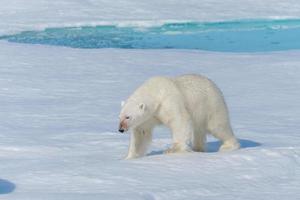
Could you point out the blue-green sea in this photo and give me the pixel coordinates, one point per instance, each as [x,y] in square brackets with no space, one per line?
[226,36]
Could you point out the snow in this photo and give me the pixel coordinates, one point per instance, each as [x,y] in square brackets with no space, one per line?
[59,117]
[59,109]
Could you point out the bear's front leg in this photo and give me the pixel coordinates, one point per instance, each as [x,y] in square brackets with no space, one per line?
[182,131]
[139,140]
[178,148]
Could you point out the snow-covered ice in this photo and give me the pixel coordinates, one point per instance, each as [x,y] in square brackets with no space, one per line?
[59,140]
[59,110]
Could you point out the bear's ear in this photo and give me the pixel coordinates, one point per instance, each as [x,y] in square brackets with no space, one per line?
[122,103]
[142,106]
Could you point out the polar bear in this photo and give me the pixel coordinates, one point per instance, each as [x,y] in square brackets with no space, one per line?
[190,105]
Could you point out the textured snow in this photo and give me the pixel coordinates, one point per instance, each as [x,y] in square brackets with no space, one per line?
[59,116]
[59,109]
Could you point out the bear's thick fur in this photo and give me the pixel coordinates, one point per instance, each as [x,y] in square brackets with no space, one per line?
[190,105]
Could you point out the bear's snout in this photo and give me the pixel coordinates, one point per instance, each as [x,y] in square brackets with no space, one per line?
[122,127]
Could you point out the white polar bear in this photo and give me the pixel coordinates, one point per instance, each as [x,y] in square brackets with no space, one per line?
[190,105]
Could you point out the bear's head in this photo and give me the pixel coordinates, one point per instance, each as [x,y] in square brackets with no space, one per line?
[132,115]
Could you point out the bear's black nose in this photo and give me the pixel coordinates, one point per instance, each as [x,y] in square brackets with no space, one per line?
[121,130]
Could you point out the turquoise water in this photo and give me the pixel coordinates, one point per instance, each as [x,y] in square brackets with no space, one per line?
[230,36]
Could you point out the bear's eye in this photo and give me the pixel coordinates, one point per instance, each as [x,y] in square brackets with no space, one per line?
[127,117]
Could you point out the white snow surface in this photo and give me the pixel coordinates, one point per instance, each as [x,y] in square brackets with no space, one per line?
[59,118]
[59,109]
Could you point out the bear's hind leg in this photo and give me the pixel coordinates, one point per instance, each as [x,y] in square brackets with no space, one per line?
[229,145]
[225,134]
[219,126]
[139,142]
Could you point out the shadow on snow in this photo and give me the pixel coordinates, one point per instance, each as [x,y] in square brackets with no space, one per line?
[215,145]
[6,186]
